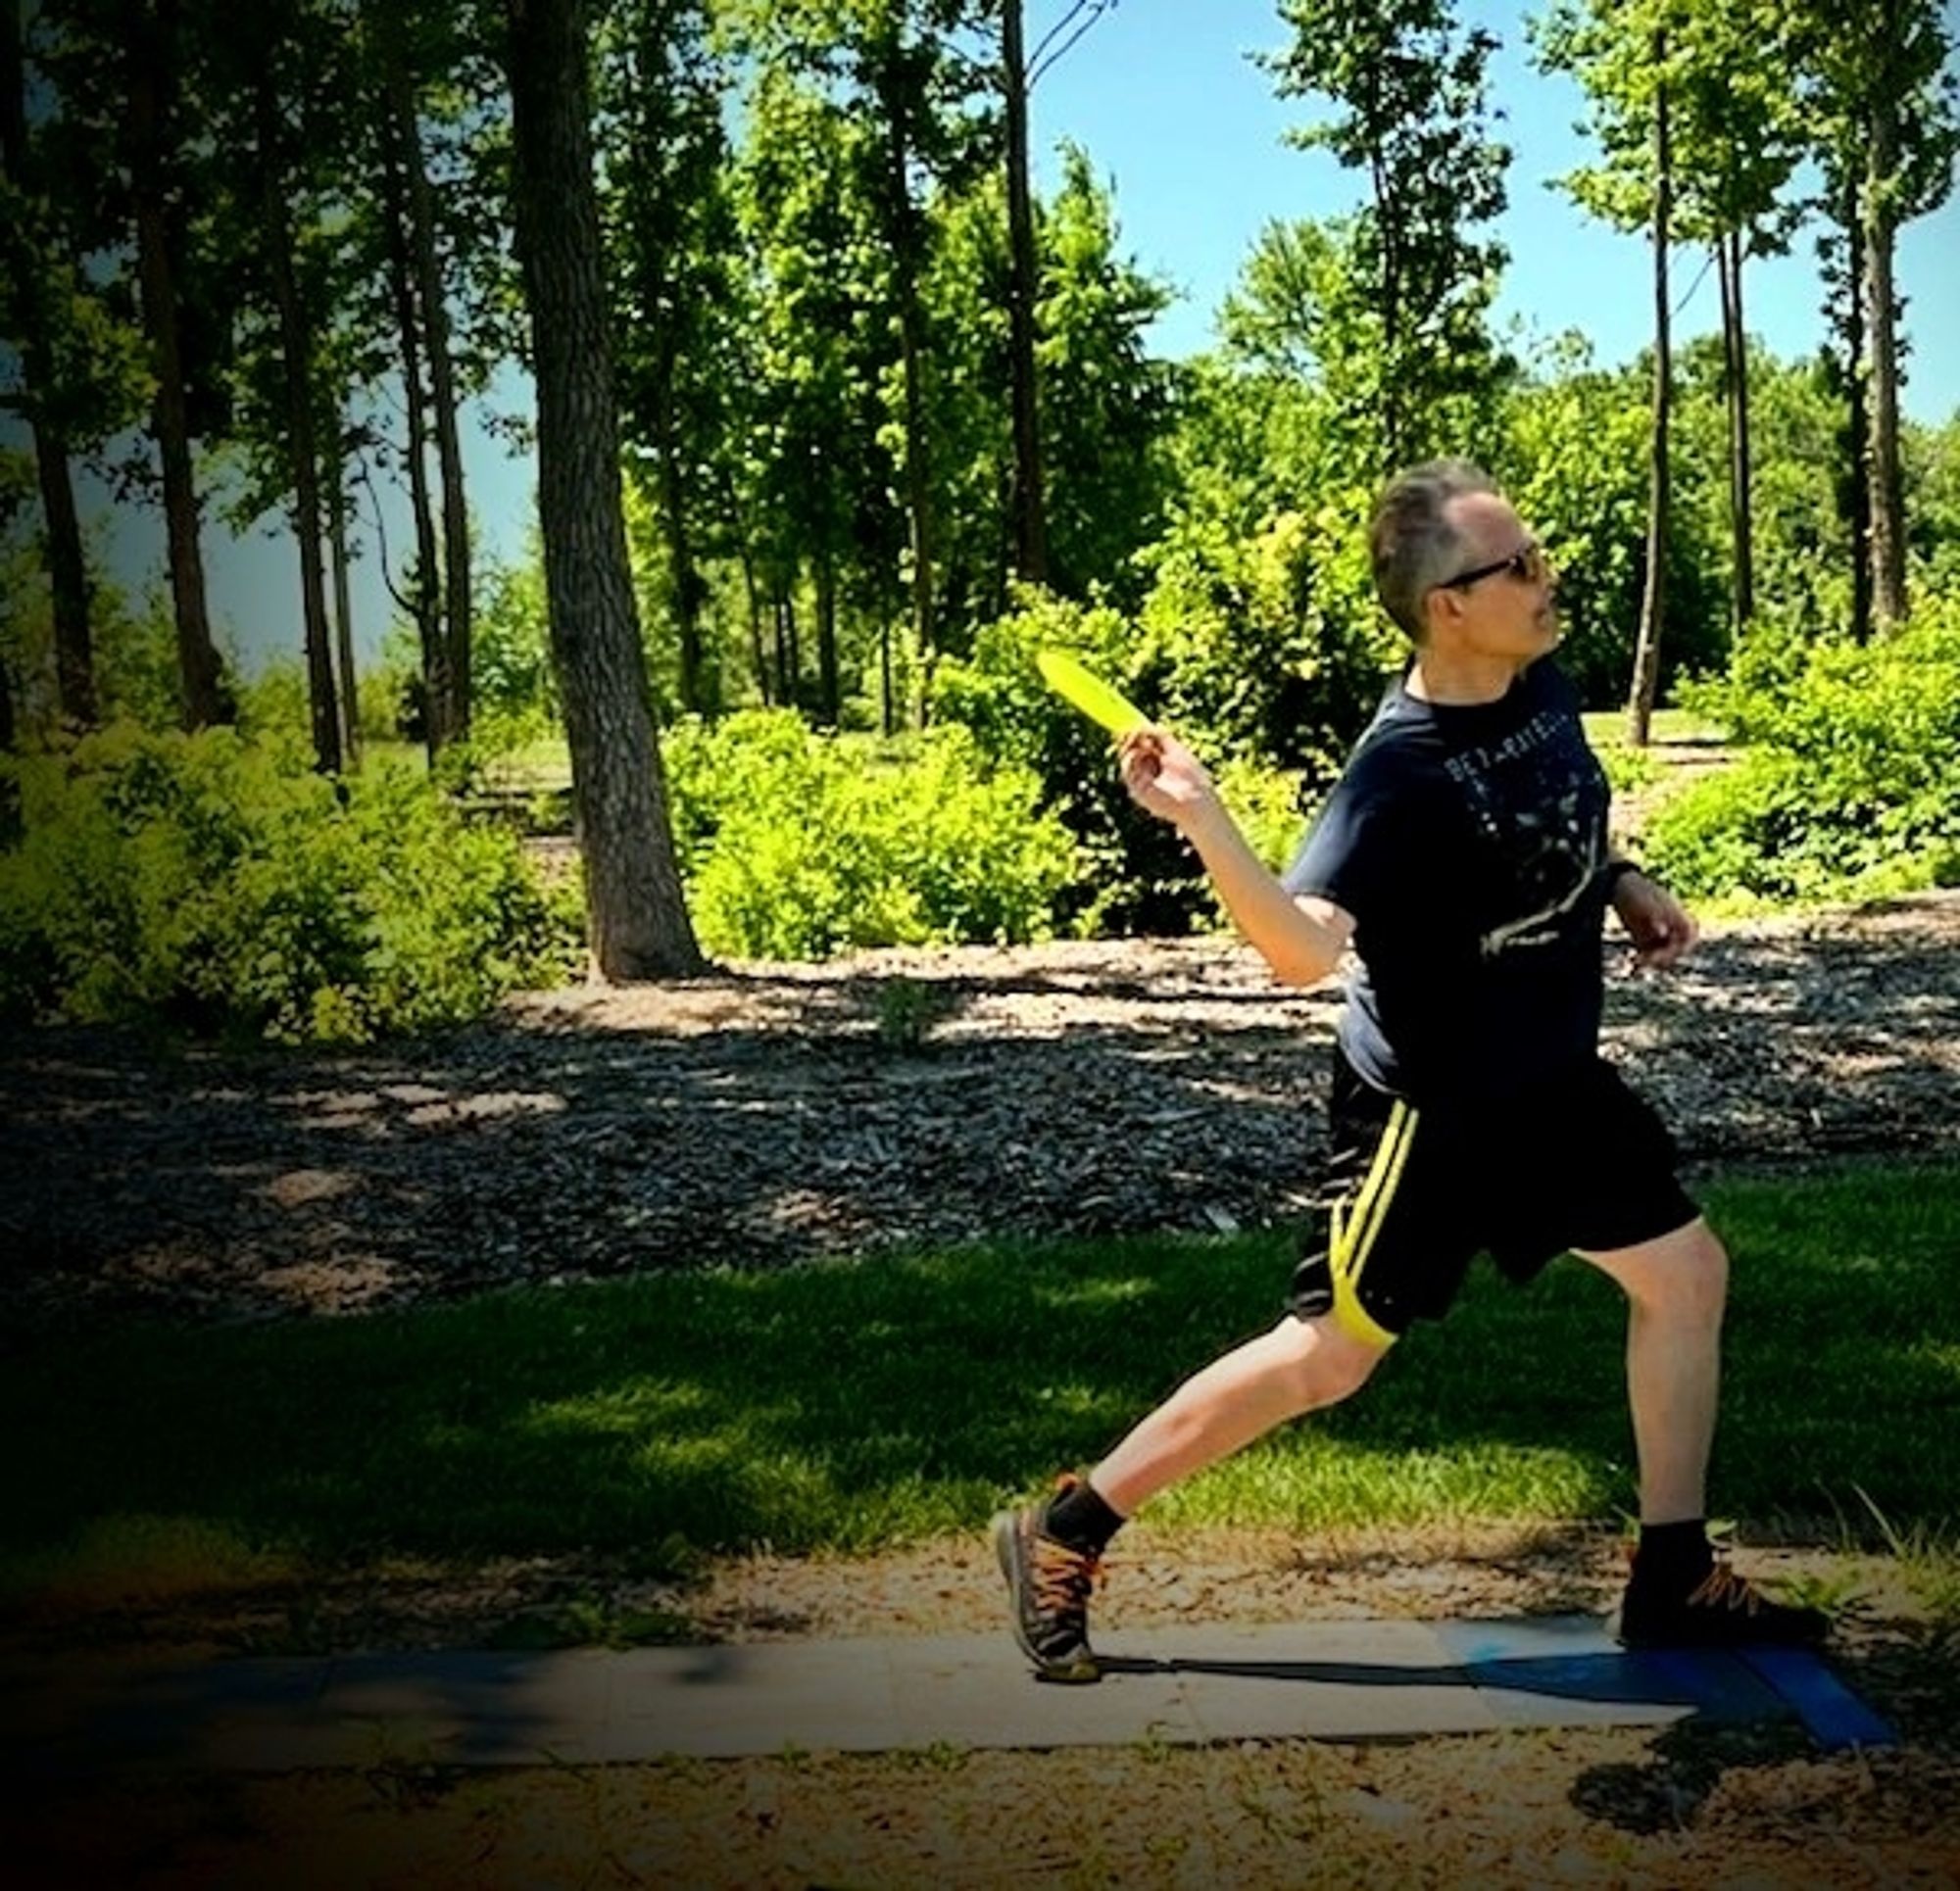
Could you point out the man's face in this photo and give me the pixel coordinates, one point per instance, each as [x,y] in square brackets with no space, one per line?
[1499,601]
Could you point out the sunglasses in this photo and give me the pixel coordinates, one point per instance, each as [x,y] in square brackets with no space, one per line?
[1526,565]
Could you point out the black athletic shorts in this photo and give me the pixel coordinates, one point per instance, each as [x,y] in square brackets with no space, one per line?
[1414,1194]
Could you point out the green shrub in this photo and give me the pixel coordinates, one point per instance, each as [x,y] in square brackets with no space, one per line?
[1851,785]
[799,846]
[1270,645]
[1243,665]
[1628,770]
[1267,804]
[215,883]
[1135,873]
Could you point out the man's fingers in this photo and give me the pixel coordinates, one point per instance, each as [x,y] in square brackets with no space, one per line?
[1140,767]
[1665,948]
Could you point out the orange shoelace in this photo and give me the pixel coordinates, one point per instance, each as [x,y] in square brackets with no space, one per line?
[1723,1589]
[1062,1578]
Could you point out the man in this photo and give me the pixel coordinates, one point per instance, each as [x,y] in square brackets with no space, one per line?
[1463,857]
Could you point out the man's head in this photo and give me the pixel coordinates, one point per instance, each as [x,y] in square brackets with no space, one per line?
[1455,567]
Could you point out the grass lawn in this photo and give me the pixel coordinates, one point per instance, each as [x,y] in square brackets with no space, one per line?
[1607,728]
[851,1406]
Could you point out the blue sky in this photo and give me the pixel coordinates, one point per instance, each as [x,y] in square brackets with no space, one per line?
[1176,115]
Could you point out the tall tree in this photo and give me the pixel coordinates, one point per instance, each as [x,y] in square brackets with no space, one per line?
[1735,134]
[816,490]
[154,54]
[1413,119]
[1109,401]
[1646,651]
[1019,73]
[41,275]
[1882,101]
[894,71]
[340,559]
[422,601]
[908,70]
[1728,255]
[144,164]
[1626,56]
[638,920]
[1030,522]
[670,227]
[431,289]
[296,351]
[1841,256]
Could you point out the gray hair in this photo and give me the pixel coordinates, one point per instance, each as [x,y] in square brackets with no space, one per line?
[1411,544]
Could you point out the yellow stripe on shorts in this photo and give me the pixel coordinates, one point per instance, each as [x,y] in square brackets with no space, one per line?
[1350,1245]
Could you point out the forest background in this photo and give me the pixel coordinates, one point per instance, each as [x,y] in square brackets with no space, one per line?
[840,413]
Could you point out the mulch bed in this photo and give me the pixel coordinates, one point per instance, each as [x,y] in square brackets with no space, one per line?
[770,1114]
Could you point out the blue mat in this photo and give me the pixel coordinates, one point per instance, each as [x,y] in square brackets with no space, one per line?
[1835,1716]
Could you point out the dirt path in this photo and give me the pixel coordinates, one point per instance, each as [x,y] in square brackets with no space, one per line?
[768,1115]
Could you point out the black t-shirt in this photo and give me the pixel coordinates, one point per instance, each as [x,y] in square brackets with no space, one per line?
[1469,843]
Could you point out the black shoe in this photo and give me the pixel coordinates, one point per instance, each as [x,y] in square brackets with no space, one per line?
[1722,1610]
[1048,1584]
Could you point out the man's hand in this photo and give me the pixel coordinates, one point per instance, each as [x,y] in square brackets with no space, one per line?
[1656,922]
[1165,779]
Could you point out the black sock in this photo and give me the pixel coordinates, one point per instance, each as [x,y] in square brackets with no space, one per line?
[1675,1554]
[1079,1517]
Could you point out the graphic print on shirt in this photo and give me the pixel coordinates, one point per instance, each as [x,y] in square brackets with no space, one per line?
[1539,799]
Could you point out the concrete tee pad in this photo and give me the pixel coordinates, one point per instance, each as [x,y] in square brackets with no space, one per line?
[1326,1680]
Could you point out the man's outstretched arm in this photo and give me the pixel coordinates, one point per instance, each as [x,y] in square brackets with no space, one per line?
[1300,938]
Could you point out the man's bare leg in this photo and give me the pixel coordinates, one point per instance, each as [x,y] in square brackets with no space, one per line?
[1297,1367]
[1675,1288]
[1679,1593]
[1049,1553]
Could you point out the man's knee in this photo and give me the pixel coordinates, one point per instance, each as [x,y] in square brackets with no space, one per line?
[1325,1363]
[1684,1274]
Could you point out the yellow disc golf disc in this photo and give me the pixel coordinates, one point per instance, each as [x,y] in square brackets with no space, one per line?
[1083,689]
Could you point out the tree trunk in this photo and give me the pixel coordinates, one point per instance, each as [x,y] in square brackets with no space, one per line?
[637,914]
[68,568]
[1029,504]
[1395,398]
[789,647]
[296,352]
[456,627]
[343,631]
[760,655]
[1735,355]
[887,709]
[437,693]
[1646,656]
[829,704]
[1856,499]
[1887,489]
[905,237]
[689,589]
[68,575]
[152,61]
